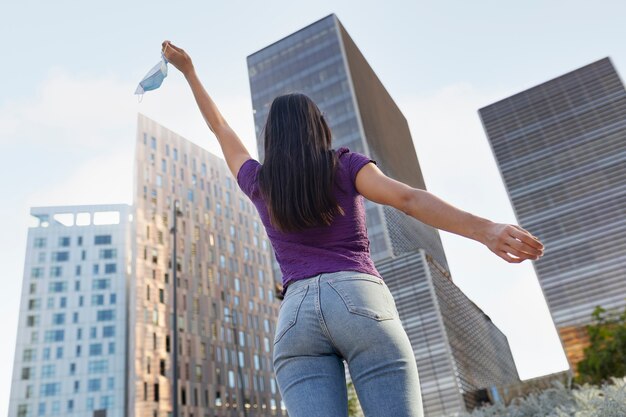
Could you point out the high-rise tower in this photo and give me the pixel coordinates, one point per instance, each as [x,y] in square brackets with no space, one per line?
[226,294]
[70,356]
[561,150]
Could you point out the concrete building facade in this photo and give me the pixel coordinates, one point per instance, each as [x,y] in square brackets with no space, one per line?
[226,294]
[70,356]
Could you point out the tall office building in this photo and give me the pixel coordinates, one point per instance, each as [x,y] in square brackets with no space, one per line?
[322,61]
[70,356]
[561,151]
[226,294]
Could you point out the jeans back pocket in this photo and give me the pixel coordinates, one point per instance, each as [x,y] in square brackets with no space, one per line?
[365,295]
[288,311]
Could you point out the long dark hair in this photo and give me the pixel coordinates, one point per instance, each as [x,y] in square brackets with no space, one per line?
[298,173]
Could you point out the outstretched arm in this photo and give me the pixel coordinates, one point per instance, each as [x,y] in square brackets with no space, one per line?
[501,239]
[234,150]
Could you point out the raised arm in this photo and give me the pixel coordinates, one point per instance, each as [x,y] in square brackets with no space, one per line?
[234,150]
[501,239]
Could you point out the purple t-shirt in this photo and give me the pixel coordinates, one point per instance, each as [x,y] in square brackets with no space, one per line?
[341,246]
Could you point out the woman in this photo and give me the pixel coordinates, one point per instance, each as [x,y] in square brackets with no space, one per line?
[336,305]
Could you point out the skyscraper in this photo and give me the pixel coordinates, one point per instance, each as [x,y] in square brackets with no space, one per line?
[226,294]
[322,61]
[561,151]
[70,356]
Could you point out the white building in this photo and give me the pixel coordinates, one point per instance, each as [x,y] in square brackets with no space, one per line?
[70,349]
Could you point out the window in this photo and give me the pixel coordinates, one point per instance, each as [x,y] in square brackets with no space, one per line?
[60,256]
[96,269]
[106,402]
[231,379]
[77,270]
[108,253]
[57,286]
[93,385]
[32,321]
[95,349]
[51,389]
[101,284]
[48,371]
[29,355]
[112,298]
[98,366]
[105,315]
[26,372]
[97,300]
[110,268]
[36,272]
[153,142]
[64,241]
[56,271]
[102,240]
[80,241]
[58,318]
[108,331]
[39,242]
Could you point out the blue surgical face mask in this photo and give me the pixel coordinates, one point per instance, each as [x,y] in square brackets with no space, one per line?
[154,77]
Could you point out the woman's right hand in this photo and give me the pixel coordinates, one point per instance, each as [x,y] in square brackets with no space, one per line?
[508,239]
[177,57]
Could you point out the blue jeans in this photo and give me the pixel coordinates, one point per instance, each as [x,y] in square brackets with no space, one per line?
[348,315]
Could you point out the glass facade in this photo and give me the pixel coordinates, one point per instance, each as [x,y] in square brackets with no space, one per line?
[226,296]
[70,352]
[322,61]
[561,151]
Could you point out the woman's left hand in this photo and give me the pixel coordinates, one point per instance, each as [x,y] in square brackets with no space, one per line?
[177,57]
[510,239]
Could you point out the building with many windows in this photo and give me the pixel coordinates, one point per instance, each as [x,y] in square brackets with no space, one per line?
[561,150]
[227,308]
[70,356]
[322,61]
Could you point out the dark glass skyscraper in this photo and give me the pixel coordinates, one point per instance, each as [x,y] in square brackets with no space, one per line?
[561,151]
[322,61]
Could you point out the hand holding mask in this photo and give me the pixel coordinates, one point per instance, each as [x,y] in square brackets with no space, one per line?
[154,77]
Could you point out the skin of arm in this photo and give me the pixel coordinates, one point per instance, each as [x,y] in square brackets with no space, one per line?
[233,148]
[502,239]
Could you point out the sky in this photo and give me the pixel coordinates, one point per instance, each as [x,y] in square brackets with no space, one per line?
[68,113]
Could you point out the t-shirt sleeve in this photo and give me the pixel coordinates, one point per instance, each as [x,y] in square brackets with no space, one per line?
[246,176]
[356,162]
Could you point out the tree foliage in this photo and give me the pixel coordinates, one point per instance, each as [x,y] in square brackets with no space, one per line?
[353,401]
[605,357]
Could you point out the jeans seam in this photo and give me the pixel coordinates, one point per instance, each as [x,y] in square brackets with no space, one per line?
[320,317]
[293,320]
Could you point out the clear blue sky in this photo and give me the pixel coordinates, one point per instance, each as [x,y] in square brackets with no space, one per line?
[67,113]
